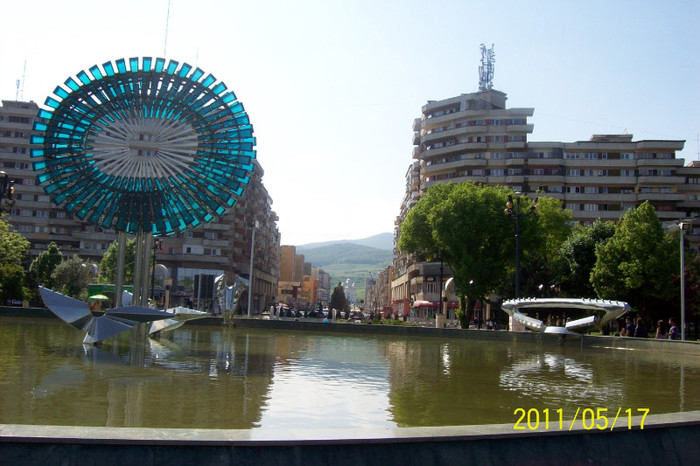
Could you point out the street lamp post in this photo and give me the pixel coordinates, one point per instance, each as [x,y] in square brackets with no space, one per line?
[516,214]
[157,244]
[256,225]
[683,226]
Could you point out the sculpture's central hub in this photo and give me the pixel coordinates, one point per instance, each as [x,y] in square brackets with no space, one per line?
[144,147]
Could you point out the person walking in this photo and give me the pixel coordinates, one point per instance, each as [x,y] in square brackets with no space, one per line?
[661,330]
[673,331]
[641,330]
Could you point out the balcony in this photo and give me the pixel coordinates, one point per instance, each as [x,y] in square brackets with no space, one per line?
[674,197]
[669,163]
[456,132]
[660,146]
[520,128]
[547,179]
[470,146]
[516,144]
[599,163]
[515,179]
[580,215]
[661,180]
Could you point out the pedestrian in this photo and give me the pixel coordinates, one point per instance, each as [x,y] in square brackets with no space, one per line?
[661,330]
[629,327]
[641,330]
[673,331]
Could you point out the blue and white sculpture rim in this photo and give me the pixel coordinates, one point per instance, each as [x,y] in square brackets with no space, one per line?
[144,145]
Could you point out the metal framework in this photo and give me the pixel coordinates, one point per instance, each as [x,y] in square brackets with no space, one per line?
[144,146]
[488,58]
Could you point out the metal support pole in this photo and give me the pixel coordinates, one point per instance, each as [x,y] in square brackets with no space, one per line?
[250,273]
[682,286]
[442,268]
[517,247]
[119,281]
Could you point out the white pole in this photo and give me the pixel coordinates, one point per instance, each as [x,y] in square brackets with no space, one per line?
[250,273]
[682,287]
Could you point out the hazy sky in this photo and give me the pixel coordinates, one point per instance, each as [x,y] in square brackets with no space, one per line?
[332,87]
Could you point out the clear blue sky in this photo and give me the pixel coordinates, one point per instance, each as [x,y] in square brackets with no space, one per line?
[332,87]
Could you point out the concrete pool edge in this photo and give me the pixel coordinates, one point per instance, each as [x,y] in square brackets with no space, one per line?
[671,438]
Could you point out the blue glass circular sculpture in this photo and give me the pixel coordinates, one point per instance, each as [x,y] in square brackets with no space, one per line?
[144,146]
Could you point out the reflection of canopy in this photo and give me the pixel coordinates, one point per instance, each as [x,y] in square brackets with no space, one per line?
[144,146]
[98,328]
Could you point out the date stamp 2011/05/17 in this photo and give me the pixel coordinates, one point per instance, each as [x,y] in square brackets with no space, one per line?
[591,418]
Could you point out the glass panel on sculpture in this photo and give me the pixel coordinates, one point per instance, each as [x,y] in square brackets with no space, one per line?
[155,147]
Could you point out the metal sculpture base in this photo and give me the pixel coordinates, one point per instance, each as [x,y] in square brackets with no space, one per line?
[229,296]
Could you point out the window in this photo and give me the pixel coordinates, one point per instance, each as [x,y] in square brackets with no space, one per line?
[538,171]
[573,172]
[515,171]
[497,172]
[573,189]
[590,207]
[591,190]
[626,172]
[571,155]
[573,206]
[498,155]
[627,156]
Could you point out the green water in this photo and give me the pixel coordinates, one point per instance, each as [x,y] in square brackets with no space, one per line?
[228,378]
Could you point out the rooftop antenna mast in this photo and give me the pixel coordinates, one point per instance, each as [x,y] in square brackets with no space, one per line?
[488,58]
[167,22]
[19,94]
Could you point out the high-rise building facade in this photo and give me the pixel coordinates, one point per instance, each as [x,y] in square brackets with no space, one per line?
[474,137]
[192,258]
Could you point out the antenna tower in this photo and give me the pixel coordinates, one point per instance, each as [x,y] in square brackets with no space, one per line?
[19,94]
[488,58]
[167,22]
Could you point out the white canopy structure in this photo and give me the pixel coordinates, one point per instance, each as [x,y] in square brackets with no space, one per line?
[602,312]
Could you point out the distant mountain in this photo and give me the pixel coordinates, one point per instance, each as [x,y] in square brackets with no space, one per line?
[381,241]
[343,260]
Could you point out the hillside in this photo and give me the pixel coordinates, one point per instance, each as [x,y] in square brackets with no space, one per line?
[347,260]
[383,241]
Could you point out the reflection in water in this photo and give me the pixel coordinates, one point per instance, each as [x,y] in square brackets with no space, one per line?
[223,377]
[552,377]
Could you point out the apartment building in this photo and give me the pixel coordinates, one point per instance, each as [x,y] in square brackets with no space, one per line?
[474,137]
[192,258]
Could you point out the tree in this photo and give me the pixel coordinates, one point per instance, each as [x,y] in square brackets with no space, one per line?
[13,254]
[108,264]
[72,276]
[579,257]
[464,225]
[637,263]
[338,300]
[43,266]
